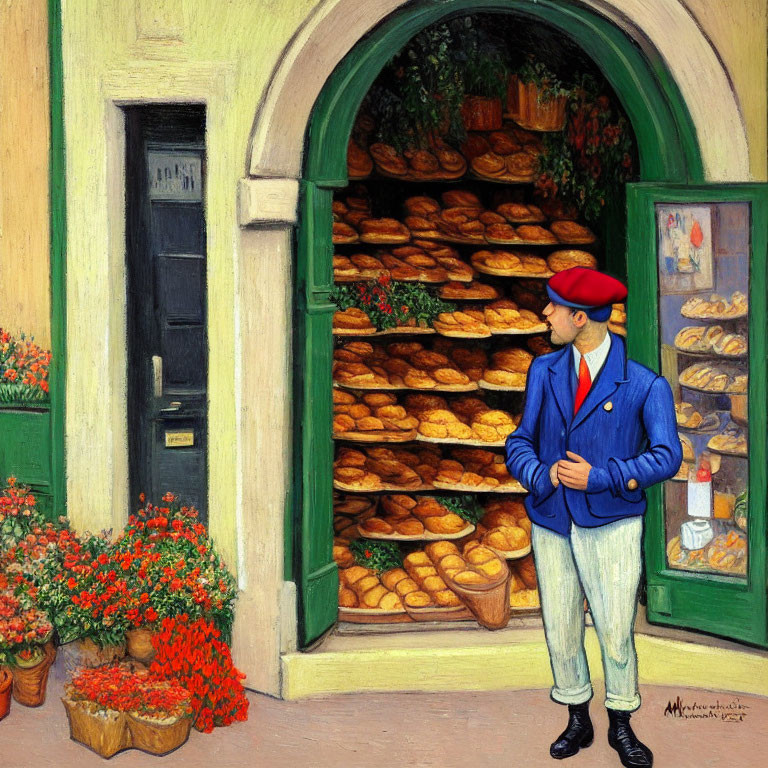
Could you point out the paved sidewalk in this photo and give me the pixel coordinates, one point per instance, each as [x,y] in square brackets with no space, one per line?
[418,730]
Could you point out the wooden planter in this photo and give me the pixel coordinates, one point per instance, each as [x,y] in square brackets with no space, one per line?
[158,737]
[530,110]
[30,682]
[90,655]
[138,645]
[106,733]
[6,681]
[109,732]
[481,114]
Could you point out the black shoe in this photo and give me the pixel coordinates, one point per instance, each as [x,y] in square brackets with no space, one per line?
[578,734]
[632,752]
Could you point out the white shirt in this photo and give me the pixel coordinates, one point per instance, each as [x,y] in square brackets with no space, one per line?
[595,358]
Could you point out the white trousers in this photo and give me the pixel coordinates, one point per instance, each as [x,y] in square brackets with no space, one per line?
[604,565]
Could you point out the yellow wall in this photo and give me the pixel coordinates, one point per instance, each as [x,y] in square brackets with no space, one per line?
[739,31]
[117,52]
[24,137]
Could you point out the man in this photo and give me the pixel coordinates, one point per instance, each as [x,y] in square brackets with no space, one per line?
[597,429]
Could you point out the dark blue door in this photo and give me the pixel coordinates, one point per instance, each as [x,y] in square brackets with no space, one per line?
[167,339]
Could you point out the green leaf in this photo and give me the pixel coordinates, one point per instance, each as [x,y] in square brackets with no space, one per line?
[379,556]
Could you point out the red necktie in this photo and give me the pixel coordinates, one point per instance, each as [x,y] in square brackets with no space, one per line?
[585,382]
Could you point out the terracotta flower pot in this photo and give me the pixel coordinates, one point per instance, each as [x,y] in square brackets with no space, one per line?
[480,113]
[138,644]
[530,108]
[30,682]
[158,737]
[6,680]
[106,732]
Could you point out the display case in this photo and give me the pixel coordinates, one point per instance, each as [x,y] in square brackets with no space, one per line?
[697,315]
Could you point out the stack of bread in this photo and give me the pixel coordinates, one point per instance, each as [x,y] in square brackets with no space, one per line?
[431,591]
[712,339]
[505,526]
[357,266]
[732,440]
[510,263]
[442,162]
[466,418]
[508,368]
[407,516]
[503,155]
[559,261]
[359,161]
[472,291]
[370,413]
[476,565]
[714,378]
[379,468]
[475,469]
[403,365]
[352,322]
[504,316]
[524,592]
[716,307]
[361,588]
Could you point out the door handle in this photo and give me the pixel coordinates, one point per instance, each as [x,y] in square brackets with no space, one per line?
[157,375]
[173,407]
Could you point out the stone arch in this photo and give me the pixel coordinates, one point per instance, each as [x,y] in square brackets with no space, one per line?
[277,139]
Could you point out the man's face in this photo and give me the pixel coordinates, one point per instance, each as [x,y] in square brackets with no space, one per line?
[562,323]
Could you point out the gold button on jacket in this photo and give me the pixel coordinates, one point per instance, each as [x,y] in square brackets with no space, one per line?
[608,406]
[632,484]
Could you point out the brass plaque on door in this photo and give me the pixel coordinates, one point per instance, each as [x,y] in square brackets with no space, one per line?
[179,439]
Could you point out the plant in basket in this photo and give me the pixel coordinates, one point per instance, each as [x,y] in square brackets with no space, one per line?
[23,370]
[193,653]
[24,629]
[392,304]
[593,157]
[171,568]
[114,707]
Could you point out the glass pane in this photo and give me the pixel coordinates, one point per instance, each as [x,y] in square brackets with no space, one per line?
[703,262]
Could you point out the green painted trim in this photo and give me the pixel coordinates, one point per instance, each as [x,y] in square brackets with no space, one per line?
[58,226]
[724,606]
[668,152]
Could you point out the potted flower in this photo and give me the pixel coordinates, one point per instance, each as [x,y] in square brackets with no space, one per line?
[18,514]
[23,371]
[85,591]
[171,568]
[485,84]
[25,632]
[536,97]
[588,162]
[194,654]
[112,708]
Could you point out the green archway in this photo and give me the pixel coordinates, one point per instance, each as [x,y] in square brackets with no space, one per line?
[668,152]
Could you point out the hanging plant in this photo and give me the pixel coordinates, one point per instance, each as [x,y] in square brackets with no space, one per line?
[590,160]
[419,95]
[548,84]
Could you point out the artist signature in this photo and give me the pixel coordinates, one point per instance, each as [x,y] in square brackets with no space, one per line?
[732,711]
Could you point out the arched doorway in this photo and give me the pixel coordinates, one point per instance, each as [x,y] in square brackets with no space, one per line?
[668,151]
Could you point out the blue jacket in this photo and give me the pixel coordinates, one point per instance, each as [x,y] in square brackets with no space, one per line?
[626,429]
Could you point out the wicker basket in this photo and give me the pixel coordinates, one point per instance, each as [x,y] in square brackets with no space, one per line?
[158,738]
[481,113]
[138,645]
[106,733]
[488,603]
[530,110]
[30,683]
[6,680]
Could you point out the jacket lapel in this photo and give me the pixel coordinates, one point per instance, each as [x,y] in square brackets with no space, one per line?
[560,381]
[613,374]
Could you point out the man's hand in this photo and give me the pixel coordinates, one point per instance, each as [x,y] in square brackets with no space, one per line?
[575,473]
[553,474]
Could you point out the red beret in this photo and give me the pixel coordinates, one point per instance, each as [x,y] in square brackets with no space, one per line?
[585,288]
